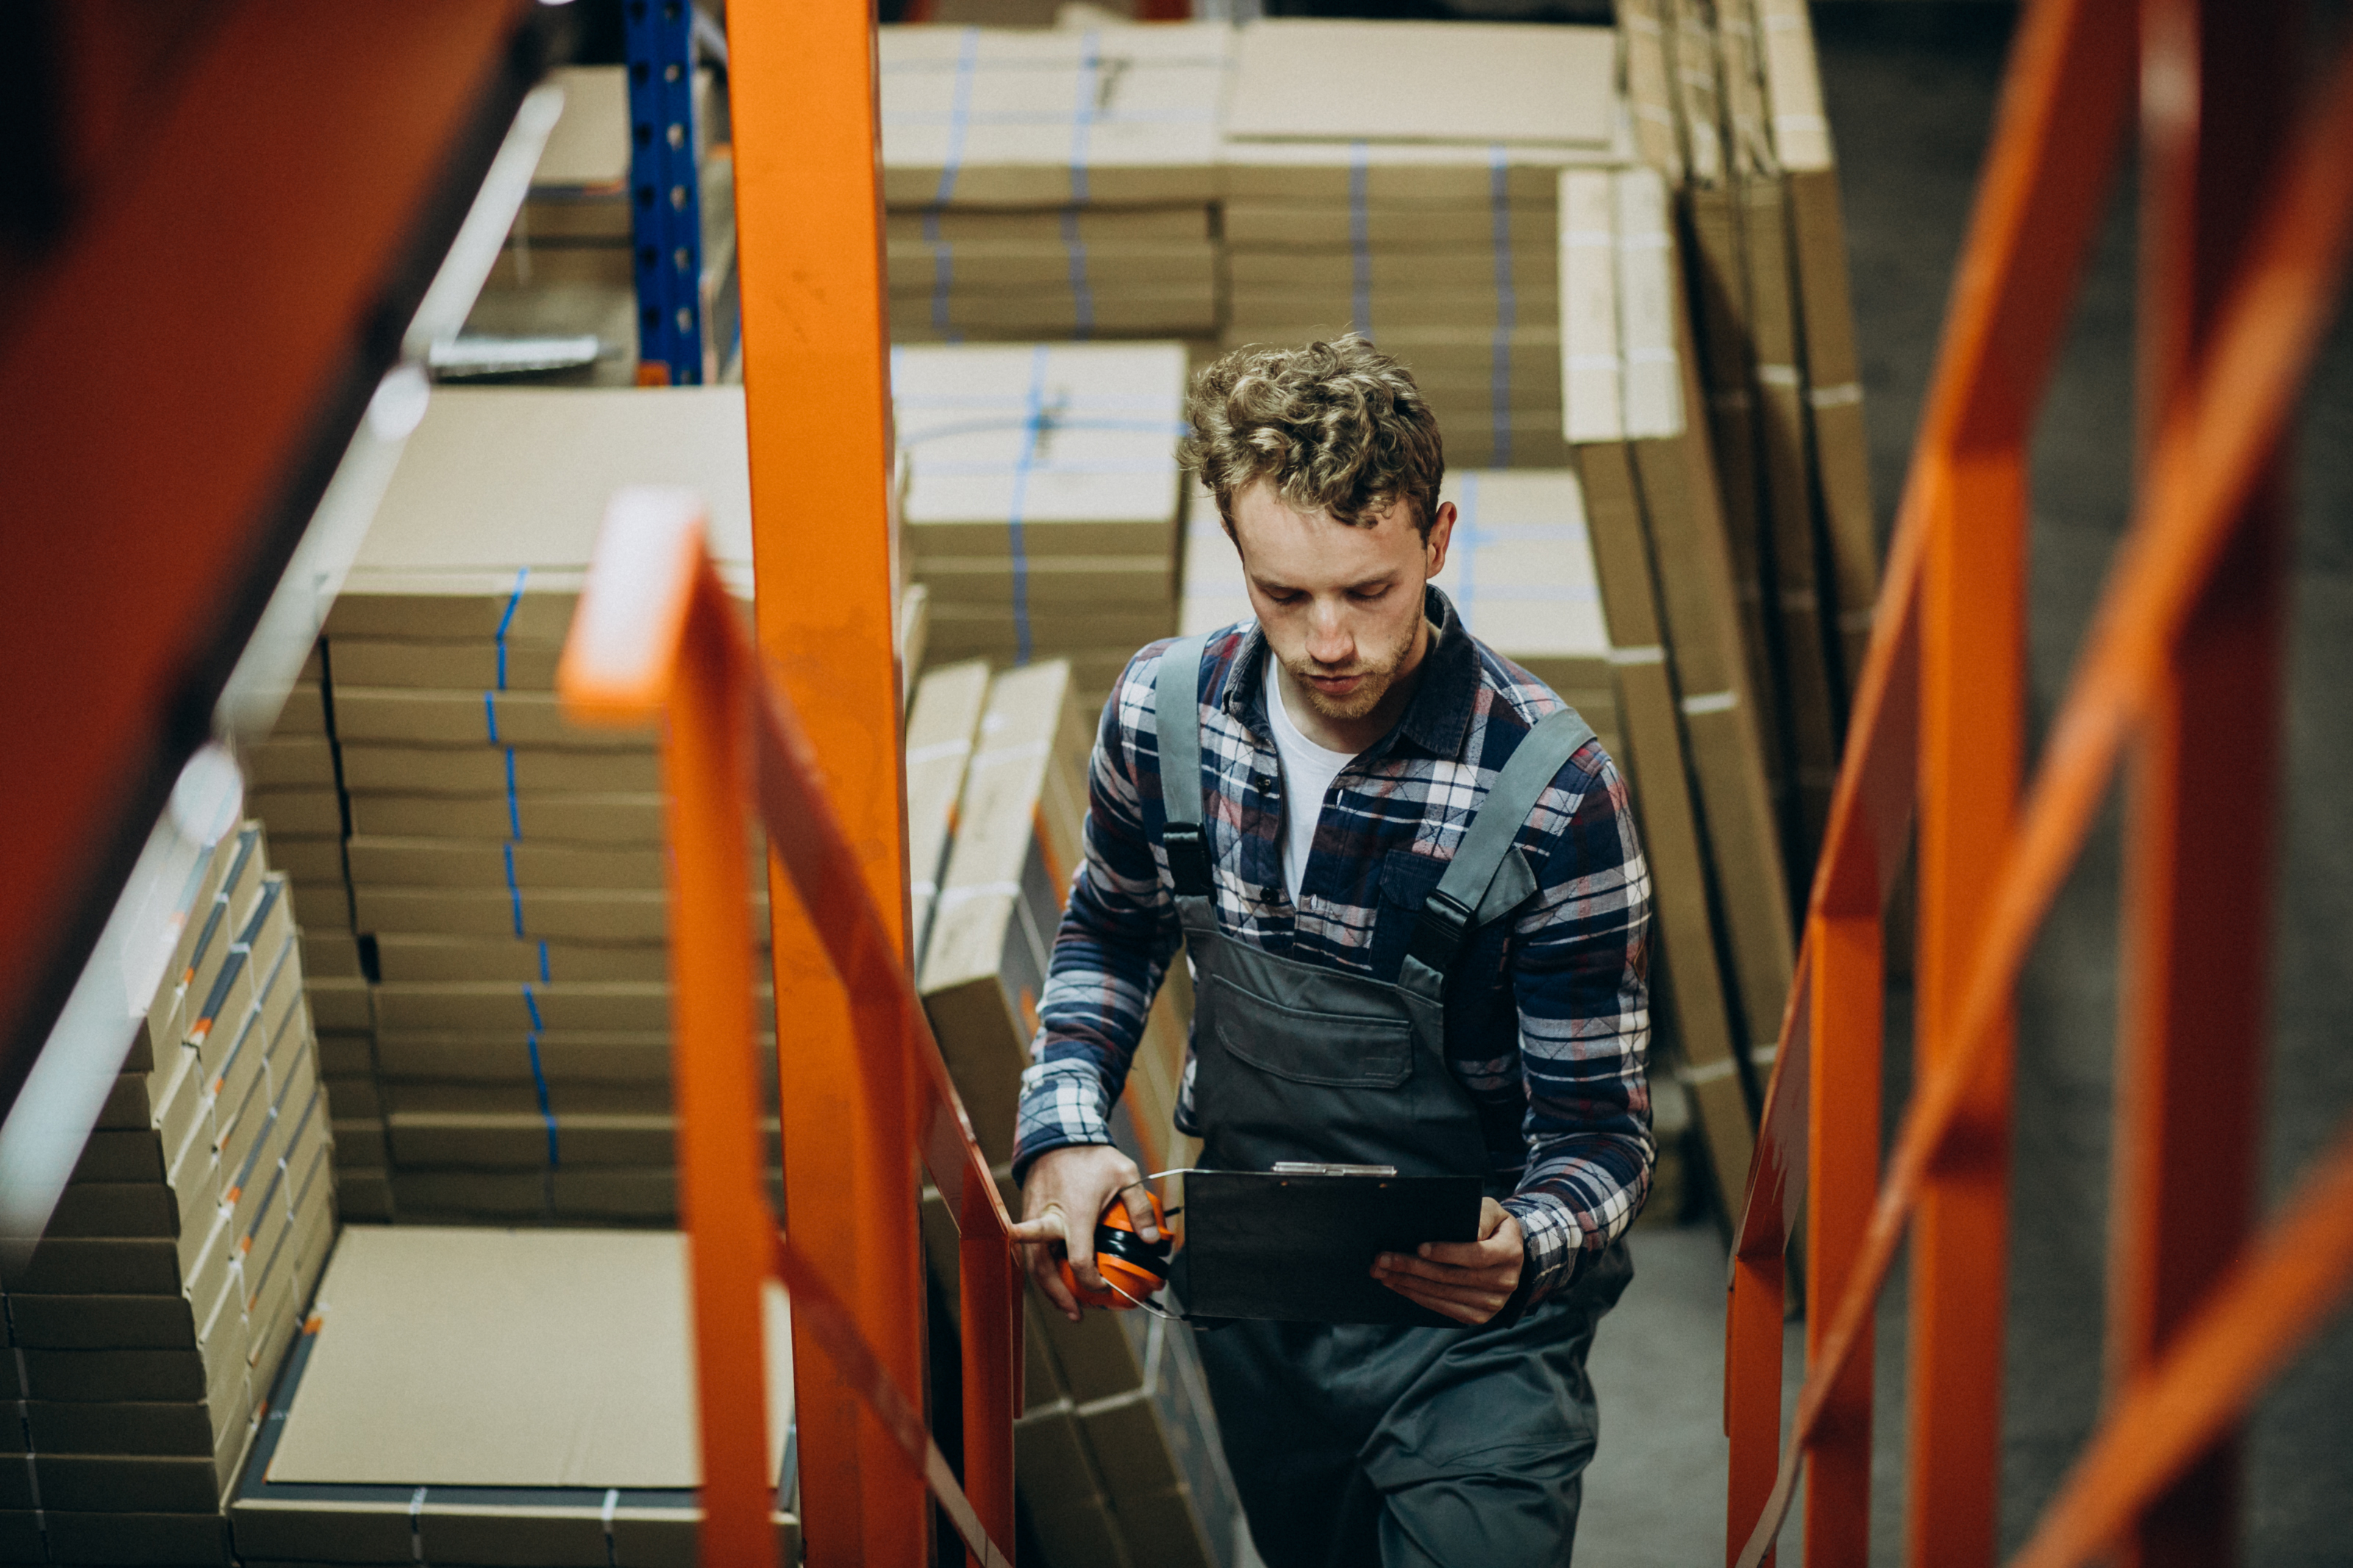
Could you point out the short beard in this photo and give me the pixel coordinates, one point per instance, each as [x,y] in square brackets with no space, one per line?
[1378,677]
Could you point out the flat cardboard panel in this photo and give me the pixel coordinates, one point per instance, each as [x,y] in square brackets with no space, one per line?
[389,862]
[979,117]
[423,1373]
[483,770]
[396,714]
[406,957]
[941,727]
[491,516]
[1694,991]
[622,819]
[1492,82]
[472,664]
[1052,436]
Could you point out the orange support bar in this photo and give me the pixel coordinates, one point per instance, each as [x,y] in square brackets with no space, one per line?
[2189,622]
[818,408]
[656,637]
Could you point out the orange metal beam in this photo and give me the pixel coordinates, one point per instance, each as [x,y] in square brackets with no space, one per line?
[182,370]
[2256,1319]
[2208,461]
[2196,957]
[816,380]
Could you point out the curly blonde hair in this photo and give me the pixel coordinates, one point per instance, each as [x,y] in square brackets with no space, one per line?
[1337,427]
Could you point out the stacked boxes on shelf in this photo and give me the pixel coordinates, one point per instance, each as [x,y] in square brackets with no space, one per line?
[1728,100]
[1693,747]
[568,268]
[1057,184]
[149,1319]
[1426,223]
[1042,499]
[295,790]
[506,869]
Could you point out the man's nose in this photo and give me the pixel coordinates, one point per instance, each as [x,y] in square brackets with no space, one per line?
[1328,640]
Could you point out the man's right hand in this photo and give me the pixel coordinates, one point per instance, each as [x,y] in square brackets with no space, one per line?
[1066,1193]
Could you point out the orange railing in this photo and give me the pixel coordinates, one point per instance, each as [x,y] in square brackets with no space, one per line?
[657,638]
[2245,231]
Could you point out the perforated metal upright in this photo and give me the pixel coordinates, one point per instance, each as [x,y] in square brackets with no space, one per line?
[665,193]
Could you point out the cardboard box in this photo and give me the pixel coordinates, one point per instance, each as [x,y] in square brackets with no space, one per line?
[1118,115]
[403,957]
[1492,82]
[386,862]
[1017,846]
[474,664]
[491,517]
[941,726]
[483,770]
[627,818]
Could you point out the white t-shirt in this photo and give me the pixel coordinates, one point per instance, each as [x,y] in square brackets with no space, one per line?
[1308,770]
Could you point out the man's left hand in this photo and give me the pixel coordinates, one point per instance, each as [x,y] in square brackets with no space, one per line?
[1466,1280]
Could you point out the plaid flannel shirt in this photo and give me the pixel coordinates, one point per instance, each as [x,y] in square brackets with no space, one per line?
[1547,1018]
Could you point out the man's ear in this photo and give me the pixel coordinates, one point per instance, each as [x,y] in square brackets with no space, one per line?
[1441,533]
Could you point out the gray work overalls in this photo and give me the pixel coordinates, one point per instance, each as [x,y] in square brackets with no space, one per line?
[1362,1444]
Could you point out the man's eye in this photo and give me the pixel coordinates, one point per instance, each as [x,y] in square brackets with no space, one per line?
[1281,597]
[1367,596]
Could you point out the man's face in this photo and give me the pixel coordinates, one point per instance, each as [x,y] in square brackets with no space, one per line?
[1341,603]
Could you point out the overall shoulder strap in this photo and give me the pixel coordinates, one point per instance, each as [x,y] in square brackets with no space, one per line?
[1448,915]
[1176,721]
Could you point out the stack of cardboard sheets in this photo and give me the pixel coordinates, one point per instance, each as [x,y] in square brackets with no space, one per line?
[568,265]
[1728,95]
[506,869]
[1424,220]
[1042,498]
[148,1321]
[423,1419]
[1053,184]
[1116,1456]
[1694,747]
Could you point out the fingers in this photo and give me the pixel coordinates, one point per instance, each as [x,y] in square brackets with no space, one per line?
[1469,1254]
[1040,1262]
[1465,1306]
[1138,1198]
[1504,1273]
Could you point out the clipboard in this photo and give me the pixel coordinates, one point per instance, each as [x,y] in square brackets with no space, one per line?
[1297,1243]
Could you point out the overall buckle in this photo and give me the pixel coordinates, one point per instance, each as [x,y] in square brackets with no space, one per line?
[1439,933]
[1188,859]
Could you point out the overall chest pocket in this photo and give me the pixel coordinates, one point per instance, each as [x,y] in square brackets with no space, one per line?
[1329,1050]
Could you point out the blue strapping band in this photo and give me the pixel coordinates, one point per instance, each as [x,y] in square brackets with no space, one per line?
[959,115]
[514,806]
[1360,239]
[543,962]
[539,1077]
[1033,424]
[514,892]
[490,714]
[514,601]
[1499,196]
[1082,119]
[943,272]
[1082,297]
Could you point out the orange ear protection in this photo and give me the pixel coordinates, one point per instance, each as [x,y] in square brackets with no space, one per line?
[1123,1259]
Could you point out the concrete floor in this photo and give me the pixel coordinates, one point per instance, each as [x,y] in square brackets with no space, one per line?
[1911,90]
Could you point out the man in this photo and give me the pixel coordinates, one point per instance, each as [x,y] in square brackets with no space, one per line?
[1377,982]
